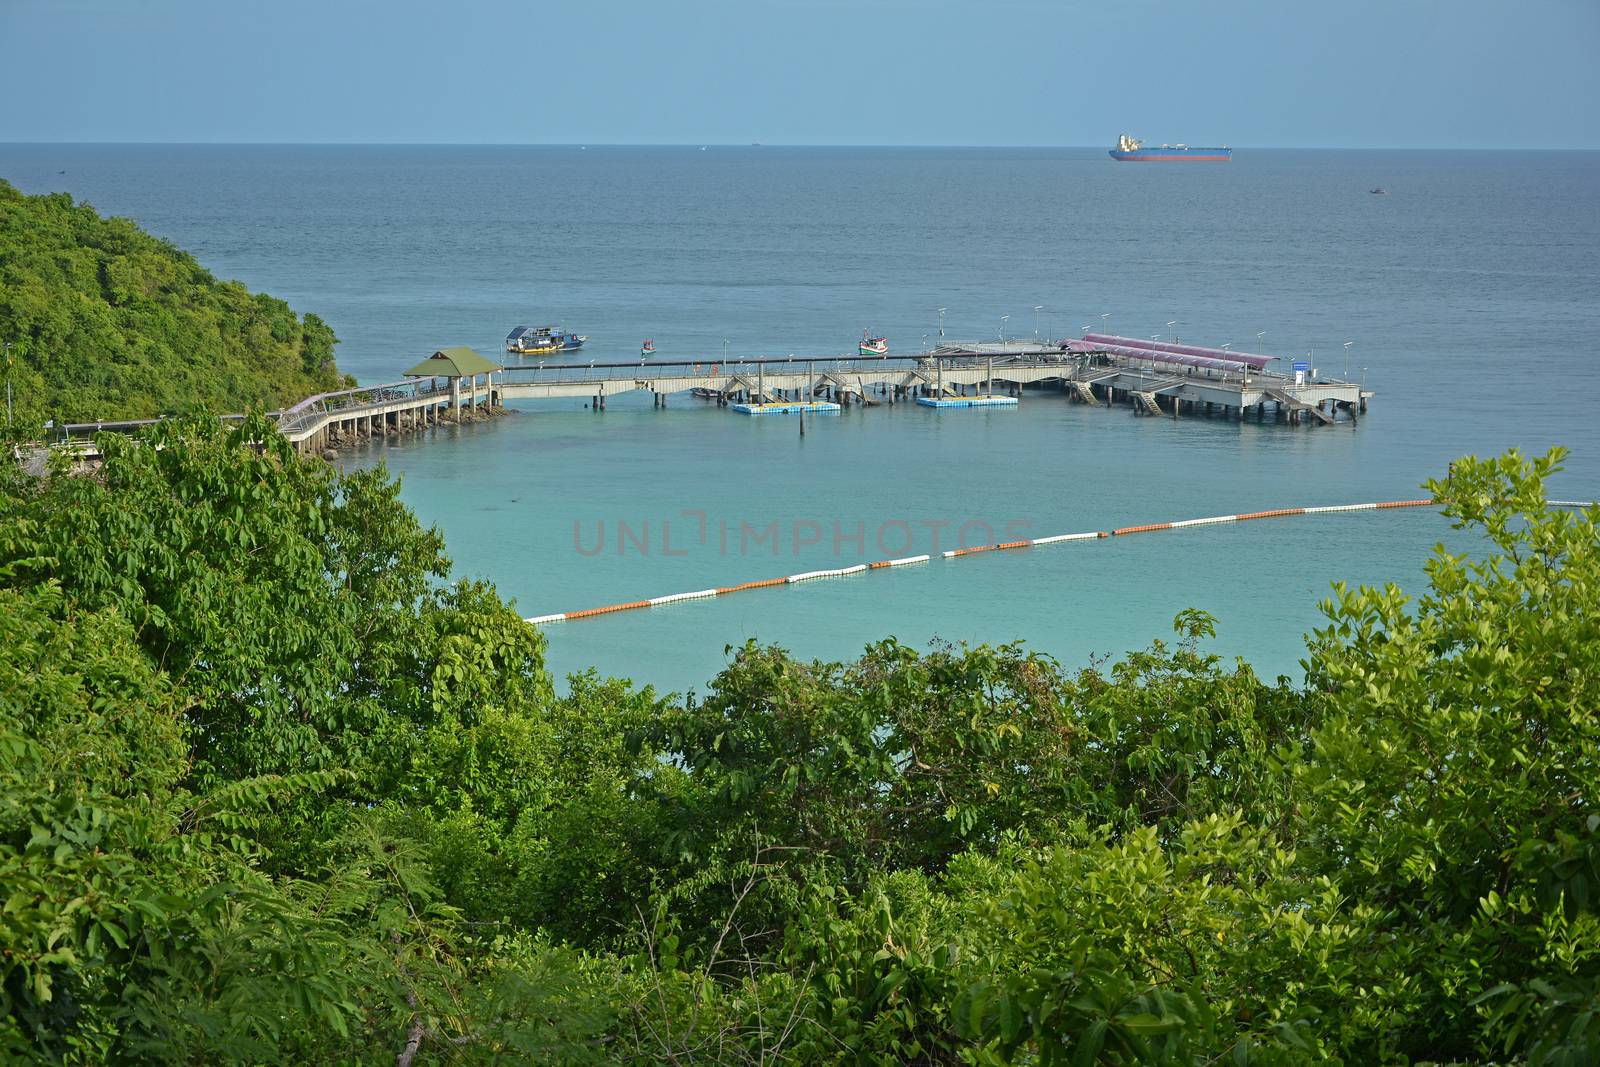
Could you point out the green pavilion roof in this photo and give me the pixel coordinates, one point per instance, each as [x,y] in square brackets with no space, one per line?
[459,362]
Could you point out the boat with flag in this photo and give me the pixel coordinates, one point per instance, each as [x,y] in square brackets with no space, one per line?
[872,346]
[542,340]
[1132,150]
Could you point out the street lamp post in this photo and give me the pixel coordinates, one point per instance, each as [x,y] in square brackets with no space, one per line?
[1003,319]
[941,322]
[1170,324]
[1036,309]
[1347,345]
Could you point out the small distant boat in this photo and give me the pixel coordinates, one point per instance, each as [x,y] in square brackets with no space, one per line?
[542,341]
[1380,191]
[872,346]
[704,393]
[648,348]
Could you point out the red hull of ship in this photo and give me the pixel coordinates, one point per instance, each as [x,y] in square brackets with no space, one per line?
[1172,159]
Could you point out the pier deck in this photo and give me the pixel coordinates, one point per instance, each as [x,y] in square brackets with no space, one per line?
[1108,378]
[1149,381]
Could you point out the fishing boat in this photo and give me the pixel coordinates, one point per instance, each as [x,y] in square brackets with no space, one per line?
[542,340]
[648,348]
[521,343]
[872,346]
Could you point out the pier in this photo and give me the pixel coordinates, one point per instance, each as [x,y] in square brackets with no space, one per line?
[1153,379]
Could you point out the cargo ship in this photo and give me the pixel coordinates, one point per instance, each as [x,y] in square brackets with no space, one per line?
[1132,150]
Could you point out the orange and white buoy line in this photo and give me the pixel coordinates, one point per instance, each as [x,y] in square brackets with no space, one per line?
[1004,546]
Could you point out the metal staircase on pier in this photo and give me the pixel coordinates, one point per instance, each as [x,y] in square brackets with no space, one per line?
[842,386]
[1147,397]
[1085,386]
[1146,401]
[1293,404]
[751,388]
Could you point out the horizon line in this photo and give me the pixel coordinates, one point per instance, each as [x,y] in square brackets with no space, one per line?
[764,144]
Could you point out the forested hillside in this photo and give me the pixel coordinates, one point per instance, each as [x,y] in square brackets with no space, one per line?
[270,792]
[109,322]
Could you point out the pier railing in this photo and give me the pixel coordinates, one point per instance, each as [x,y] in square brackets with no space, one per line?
[69,432]
[315,408]
[572,373]
[566,372]
[307,412]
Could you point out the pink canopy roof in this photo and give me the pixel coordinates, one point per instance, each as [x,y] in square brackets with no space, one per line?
[1183,350]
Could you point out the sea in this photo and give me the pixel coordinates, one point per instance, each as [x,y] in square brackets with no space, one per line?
[1466,297]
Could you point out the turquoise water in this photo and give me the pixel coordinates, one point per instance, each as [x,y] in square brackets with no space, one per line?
[1468,290]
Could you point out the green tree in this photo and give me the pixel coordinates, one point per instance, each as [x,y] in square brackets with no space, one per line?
[123,891]
[283,595]
[903,760]
[112,323]
[145,915]
[271,790]
[1452,781]
[1169,735]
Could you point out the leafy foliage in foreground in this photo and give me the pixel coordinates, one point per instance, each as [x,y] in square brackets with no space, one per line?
[109,322]
[270,791]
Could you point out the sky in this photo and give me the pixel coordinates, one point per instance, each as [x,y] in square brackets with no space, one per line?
[1264,73]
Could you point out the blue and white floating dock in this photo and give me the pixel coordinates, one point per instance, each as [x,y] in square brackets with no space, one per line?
[812,407]
[967,401]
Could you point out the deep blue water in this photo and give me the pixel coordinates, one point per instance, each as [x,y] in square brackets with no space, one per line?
[1469,291]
